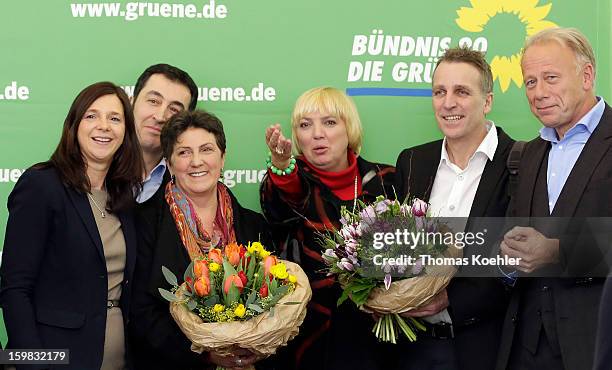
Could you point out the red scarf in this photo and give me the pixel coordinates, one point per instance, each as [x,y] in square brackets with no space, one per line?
[341,183]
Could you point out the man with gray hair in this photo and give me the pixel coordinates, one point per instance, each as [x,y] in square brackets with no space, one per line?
[565,172]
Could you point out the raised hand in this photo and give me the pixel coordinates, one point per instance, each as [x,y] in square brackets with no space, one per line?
[280,147]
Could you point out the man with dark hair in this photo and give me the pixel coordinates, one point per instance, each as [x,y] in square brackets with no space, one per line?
[463,175]
[552,316]
[161,92]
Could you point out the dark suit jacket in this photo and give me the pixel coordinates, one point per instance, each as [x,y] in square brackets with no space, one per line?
[54,281]
[157,341]
[586,193]
[477,305]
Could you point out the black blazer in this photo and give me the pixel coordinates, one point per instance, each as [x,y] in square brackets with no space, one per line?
[476,305]
[156,340]
[586,193]
[53,277]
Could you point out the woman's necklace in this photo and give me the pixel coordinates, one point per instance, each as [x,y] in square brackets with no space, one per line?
[102,213]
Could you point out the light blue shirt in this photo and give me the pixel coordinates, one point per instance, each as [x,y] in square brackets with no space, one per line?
[565,152]
[152,182]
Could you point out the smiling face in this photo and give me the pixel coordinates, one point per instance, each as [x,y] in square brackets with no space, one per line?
[101,130]
[323,140]
[196,162]
[159,100]
[559,91]
[459,103]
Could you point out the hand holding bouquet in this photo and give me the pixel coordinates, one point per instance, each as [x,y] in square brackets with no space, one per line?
[388,278]
[239,297]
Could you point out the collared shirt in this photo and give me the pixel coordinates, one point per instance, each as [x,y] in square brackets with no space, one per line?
[454,189]
[152,182]
[565,152]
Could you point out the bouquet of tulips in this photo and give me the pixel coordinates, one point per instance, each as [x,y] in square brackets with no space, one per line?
[387,288]
[239,296]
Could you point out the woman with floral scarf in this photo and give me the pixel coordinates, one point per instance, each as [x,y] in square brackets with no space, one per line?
[197,214]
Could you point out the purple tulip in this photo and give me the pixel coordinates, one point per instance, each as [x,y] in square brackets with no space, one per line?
[419,208]
[417,267]
[330,255]
[382,206]
[387,281]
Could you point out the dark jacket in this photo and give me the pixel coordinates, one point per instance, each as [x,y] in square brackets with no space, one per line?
[575,299]
[53,278]
[476,305]
[157,341]
[298,223]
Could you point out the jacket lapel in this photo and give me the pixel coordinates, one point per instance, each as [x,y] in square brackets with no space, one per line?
[596,147]
[84,210]
[425,170]
[492,175]
[535,152]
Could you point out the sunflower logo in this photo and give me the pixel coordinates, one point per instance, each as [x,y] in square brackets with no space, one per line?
[517,20]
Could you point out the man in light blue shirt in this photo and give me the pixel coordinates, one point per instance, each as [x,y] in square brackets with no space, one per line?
[565,172]
[161,92]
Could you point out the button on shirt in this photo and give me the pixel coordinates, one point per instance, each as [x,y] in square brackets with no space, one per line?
[565,152]
[454,189]
[152,182]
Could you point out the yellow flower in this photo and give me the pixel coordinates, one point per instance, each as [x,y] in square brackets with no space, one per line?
[255,247]
[240,310]
[218,308]
[279,271]
[264,253]
[292,279]
[214,267]
[505,68]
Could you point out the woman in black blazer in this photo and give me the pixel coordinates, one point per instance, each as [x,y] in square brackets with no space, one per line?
[70,244]
[196,213]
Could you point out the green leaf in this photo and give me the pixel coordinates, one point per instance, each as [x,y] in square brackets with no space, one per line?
[211,301]
[169,276]
[232,295]
[251,268]
[251,297]
[256,308]
[273,287]
[343,297]
[228,269]
[188,272]
[280,293]
[191,305]
[167,295]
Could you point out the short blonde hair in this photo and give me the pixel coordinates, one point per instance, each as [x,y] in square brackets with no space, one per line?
[570,37]
[333,101]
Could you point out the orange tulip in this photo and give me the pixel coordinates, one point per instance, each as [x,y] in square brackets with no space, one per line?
[202,287]
[232,252]
[233,280]
[269,261]
[215,256]
[200,268]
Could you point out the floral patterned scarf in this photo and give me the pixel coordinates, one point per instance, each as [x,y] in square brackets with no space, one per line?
[195,239]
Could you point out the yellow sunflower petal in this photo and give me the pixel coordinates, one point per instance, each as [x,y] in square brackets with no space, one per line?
[538,26]
[488,7]
[471,20]
[531,15]
[516,6]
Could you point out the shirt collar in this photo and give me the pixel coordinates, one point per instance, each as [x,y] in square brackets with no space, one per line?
[487,146]
[158,170]
[588,122]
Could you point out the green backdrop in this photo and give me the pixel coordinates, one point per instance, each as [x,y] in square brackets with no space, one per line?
[252,59]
